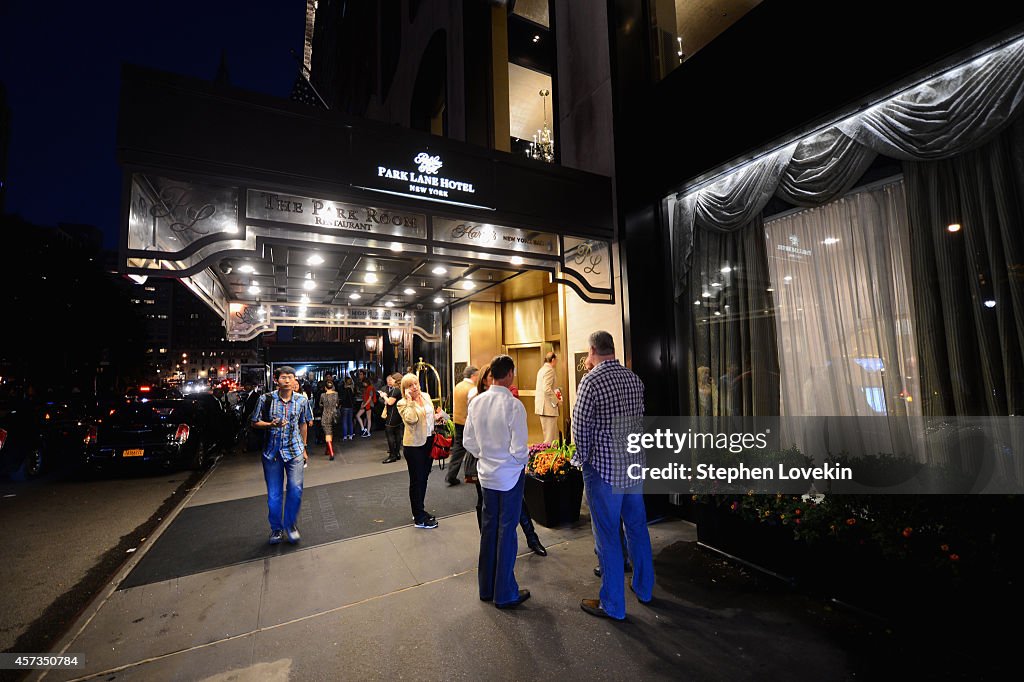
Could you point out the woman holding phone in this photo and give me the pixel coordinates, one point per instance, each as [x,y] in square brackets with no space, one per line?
[419,415]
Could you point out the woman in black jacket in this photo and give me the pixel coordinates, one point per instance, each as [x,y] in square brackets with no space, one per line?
[346,408]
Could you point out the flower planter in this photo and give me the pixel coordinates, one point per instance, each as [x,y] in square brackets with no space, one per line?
[554,500]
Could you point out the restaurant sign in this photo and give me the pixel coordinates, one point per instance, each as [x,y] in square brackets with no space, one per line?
[490,236]
[334,215]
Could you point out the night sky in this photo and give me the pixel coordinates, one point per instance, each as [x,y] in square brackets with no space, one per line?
[61,65]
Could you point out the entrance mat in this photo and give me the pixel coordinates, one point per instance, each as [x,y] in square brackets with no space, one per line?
[225,533]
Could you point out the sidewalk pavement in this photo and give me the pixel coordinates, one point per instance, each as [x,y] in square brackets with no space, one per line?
[402,603]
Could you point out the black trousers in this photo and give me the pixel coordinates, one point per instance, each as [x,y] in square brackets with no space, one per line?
[418,460]
[458,454]
[394,434]
[525,522]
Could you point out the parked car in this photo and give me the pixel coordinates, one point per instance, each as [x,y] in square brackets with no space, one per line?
[166,432]
[149,392]
[222,424]
[36,437]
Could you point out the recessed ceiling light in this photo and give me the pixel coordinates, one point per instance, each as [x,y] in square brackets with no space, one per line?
[396,247]
[315,259]
[717,313]
[706,294]
[726,270]
[439,270]
[536,39]
[769,289]
[787,278]
[247,269]
[830,240]
[309,285]
[438,299]
[254,289]
[354,297]
[990,303]
[696,302]
[468,285]
[409,291]
[370,278]
[389,304]
[516,260]
[716,284]
[953,227]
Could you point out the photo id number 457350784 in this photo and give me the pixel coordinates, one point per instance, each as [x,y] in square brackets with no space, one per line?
[41,661]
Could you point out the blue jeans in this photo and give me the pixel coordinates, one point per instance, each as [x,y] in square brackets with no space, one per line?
[499,543]
[274,470]
[607,507]
[347,427]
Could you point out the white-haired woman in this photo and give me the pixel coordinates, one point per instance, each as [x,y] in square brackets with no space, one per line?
[419,415]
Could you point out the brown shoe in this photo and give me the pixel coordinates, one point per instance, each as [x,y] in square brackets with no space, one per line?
[593,607]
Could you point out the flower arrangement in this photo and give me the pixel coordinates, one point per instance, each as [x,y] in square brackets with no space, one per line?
[550,460]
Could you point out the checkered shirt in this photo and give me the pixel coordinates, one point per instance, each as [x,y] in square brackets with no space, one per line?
[286,440]
[609,404]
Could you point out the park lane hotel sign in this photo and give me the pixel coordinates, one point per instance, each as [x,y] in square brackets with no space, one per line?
[489,236]
[324,213]
[425,178]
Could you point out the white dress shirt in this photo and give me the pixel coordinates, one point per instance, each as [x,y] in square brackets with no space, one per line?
[496,433]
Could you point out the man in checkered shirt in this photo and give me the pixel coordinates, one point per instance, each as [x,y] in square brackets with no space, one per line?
[609,404]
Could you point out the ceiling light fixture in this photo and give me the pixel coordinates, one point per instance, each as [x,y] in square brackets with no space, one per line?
[438,299]
[953,227]
[309,285]
[990,303]
[439,270]
[370,278]
[468,285]
[254,288]
[726,270]
[354,297]
[830,240]
[315,259]
[409,291]
[389,304]
[516,260]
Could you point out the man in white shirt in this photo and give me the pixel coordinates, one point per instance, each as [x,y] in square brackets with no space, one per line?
[496,434]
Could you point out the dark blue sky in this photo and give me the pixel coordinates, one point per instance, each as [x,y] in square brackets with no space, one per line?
[61,63]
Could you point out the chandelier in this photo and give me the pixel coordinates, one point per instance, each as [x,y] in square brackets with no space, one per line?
[543,146]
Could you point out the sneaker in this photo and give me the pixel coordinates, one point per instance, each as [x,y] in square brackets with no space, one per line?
[293,535]
[276,536]
[429,522]
[366,433]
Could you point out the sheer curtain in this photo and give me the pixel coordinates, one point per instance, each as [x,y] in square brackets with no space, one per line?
[971,281]
[727,327]
[844,314]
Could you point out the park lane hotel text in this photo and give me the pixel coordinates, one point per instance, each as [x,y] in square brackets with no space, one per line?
[665,439]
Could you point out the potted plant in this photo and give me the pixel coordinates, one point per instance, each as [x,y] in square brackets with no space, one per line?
[554,487]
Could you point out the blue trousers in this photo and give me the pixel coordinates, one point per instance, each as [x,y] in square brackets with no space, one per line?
[607,507]
[499,543]
[347,427]
[279,474]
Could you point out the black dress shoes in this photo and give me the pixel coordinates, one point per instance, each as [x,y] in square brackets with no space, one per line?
[537,548]
[389,460]
[523,596]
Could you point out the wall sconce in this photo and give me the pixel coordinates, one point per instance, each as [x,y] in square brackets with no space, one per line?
[371,344]
[395,335]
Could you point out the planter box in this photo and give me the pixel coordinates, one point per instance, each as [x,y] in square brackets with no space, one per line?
[553,502]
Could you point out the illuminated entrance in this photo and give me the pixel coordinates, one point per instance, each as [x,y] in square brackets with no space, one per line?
[275,215]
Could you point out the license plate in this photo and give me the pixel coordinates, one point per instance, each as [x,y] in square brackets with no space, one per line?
[133,453]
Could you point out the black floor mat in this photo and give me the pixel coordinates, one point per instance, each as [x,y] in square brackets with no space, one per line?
[216,535]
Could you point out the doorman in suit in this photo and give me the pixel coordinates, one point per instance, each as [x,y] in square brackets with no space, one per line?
[547,398]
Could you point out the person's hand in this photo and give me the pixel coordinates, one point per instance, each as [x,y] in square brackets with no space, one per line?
[305,455]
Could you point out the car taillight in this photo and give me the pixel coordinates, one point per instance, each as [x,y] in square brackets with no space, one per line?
[181,435]
[90,435]
[3,438]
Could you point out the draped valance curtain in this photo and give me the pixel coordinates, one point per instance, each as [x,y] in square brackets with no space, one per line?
[945,116]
